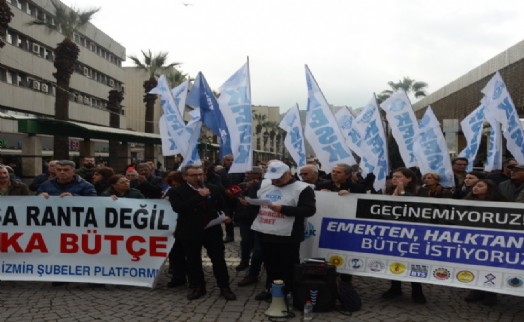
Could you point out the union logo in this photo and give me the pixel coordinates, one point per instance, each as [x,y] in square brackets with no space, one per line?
[441,274]
[376,266]
[336,260]
[465,276]
[515,281]
[397,268]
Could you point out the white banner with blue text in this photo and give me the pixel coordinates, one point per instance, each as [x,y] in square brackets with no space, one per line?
[85,239]
[459,243]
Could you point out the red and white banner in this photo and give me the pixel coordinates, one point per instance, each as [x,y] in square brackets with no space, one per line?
[84,239]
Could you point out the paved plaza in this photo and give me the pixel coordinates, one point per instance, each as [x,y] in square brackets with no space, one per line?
[31,301]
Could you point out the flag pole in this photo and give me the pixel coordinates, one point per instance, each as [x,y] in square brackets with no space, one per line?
[249,80]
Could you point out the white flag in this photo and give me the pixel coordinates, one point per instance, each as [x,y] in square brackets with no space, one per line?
[472,126]
[235,104]
[169,146]
[494,155]
[374,144]
[179,95]
[500,105]
[345,122]
[431,149]
[322,131]
[403,125]
[294,141]
[172,127]
[193,128]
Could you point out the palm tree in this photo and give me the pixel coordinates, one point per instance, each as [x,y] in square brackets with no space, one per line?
[114,106]
[153,65]
[67,21]
[410,86]
[5,18]
[260,119]
[273,128]
[267,125]
[175,77]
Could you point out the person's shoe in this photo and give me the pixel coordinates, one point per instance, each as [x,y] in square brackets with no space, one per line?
[229,239]
[263,296]
[242,266]
[475,296]
[248,280]
[228,294]
[391,293]
[175,283]
[196,293]
[418,298]
[490,299]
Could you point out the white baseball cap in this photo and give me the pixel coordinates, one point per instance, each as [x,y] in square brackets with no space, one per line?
[276,170]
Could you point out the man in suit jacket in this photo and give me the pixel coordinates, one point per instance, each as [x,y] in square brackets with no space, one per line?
[197,205]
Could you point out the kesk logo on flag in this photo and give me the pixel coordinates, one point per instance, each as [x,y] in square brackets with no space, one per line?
[171,125]
[494,155]
[180,94]
[194,126]
[322,130]
[472,128]
[403,125]
[294,141]
[374,144]
[345,122]
[235,105]
[431,149]
[499,103]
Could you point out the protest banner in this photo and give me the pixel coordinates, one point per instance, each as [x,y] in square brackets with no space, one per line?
[84,239]
[460,243]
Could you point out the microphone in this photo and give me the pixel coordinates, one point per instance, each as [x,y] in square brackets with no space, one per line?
[203,186]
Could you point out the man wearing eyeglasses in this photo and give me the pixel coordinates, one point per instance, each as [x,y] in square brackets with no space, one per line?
[198,207]
[459,166]
[504,174]
[309,174]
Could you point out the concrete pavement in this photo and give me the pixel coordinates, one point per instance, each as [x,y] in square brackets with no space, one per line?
[31,301]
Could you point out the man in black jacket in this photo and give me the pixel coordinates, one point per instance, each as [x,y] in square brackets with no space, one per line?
[198,208]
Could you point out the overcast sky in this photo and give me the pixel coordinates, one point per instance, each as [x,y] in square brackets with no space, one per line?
[353,48]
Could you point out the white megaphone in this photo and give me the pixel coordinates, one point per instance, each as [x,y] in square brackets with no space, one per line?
[278,308]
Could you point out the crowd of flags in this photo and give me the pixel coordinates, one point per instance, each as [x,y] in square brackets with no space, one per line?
[336,138]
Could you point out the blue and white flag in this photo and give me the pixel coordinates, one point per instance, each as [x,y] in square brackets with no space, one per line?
[494,154]
[500,105]
[235,105]
[172,126]
[345,123]
[294,141]
[374,144]
[403,124]
[194,126]
[322,130]
[431,149]
[472,126]
[169,146]
[180,95]
[202,97]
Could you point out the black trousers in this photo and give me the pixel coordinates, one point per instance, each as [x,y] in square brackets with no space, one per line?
[177,261]
[214,245]
[279,260]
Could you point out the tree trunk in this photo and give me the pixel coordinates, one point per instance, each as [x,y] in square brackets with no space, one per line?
[149,127]
[114,100]
[66,55]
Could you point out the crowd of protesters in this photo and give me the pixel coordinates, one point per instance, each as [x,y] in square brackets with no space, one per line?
[200,193]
